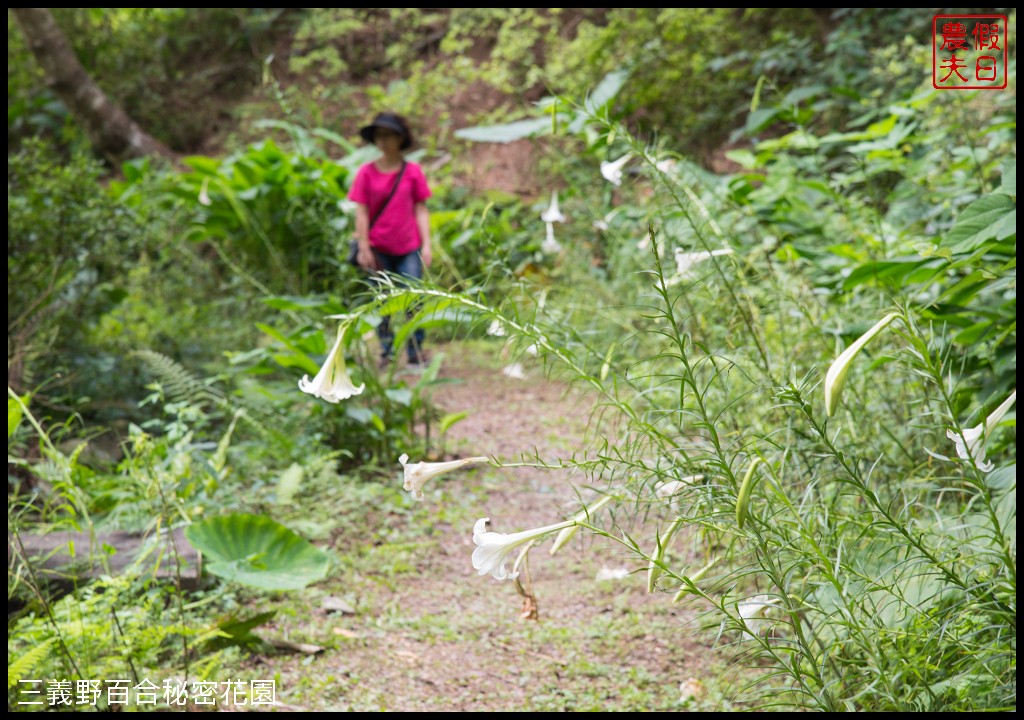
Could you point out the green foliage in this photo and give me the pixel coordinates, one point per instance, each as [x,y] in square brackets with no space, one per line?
[32,108]
[23,667]
[208,404]
[114,628]
[278,215]
[360,41]
[861,555]
[554,117]
[176,382]
[518,36]
[191,57]
[238,632]
[861,559]
[563,50]
[699,49]
[391,415]
[68,248]
[487,244]
[915,214]
[858,537]
[509,132]
[14,415]
[255,550]
[847,77]
[44,480]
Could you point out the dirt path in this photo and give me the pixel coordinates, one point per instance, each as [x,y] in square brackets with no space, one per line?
[429,634]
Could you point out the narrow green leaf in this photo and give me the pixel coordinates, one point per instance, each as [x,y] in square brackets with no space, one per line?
[746,488]
[446,422]
[509,132]
[755,101]
[14,416]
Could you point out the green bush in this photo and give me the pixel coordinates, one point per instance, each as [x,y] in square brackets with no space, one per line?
[70,246]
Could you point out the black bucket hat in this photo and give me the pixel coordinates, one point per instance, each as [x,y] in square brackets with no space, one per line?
[388,121]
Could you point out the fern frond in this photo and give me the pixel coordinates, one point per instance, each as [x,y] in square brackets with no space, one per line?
[177,381]
[180,384]
[24,666]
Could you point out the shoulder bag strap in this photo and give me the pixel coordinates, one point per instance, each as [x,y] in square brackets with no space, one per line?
[390,194]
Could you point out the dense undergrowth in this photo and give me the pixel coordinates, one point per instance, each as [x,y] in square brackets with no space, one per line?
[855,512]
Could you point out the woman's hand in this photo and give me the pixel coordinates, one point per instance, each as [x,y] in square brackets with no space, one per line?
[423,227]
[365,258]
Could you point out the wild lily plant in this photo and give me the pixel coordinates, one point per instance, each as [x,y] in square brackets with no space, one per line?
[841,550]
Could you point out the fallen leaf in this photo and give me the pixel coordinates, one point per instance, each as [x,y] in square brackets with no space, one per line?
[691,689]
[296,647]
[607,573]
[336,604]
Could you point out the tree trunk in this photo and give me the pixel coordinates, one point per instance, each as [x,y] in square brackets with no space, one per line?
[826,23]
[111,130]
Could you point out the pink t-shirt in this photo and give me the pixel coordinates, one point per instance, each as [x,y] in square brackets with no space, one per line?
[395,231]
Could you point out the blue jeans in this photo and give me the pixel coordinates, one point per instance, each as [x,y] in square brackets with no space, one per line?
[408,265]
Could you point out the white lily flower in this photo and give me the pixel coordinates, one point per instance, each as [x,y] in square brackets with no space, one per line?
[417,474]
[496,328]
[670,488]
[553,214]
[835,378]
[974,438]
[514,371]
[550,245]
[612,171]
[204,196]
[755,612]
[332,383]
[532,349]
[493,548]
[686,260]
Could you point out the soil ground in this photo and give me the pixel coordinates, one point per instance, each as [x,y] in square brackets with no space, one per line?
[425,632]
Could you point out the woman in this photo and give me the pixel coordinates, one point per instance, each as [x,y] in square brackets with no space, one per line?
[392,221]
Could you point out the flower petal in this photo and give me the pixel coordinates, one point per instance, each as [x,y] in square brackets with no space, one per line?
[514,371]
[493,548]
[416,474]
[492,559]
[835,378]
[553,214]
[332,383]
[612,171]
[479,528]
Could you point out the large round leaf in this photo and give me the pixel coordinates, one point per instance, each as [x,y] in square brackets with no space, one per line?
[254,550]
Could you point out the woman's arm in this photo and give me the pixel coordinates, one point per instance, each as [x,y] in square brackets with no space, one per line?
[423,225]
